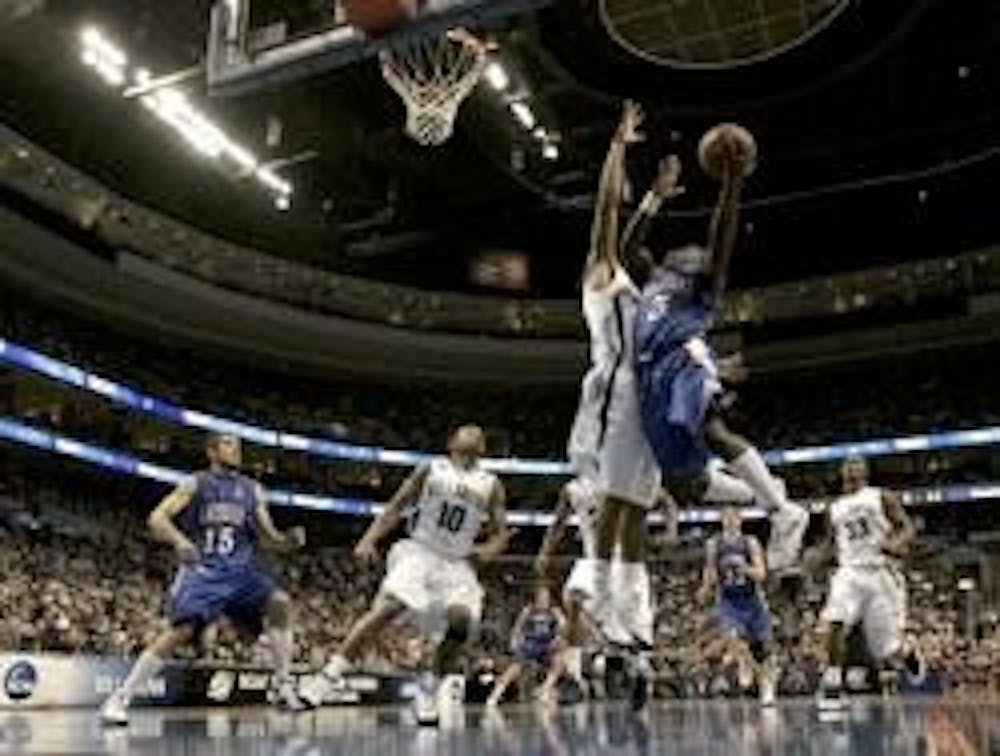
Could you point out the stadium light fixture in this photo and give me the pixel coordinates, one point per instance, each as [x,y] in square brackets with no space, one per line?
[273,181]
[172,106]
[106,58]
[522,111]
[497,77]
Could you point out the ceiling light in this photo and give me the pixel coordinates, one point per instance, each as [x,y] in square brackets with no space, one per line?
[242,157]
[92,39]
[172,106]
[273,181]
[540,134]
[522,111]
[550,151]
[497,76]
[283,202]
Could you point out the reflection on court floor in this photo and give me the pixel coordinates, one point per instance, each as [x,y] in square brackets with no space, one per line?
[870,727]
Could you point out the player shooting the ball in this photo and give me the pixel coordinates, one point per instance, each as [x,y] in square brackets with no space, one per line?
[679,380]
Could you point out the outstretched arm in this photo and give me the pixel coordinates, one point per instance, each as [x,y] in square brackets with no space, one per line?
[390,517]
[161,520]
[725,226]
[603,255]
[495,545]
[289,540]
[554,534]
[709,575]
[634,255]
[757,569]
[903,530]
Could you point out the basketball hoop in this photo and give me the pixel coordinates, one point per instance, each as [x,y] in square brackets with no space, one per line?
[433,76]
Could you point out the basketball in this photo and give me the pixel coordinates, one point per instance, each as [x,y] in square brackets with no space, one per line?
[725,142]
[377,17]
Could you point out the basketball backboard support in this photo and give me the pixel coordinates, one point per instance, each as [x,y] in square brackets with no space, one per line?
[234,67]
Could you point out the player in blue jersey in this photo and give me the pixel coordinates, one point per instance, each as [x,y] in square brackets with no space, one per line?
[735,573]
[536,637]
[214,521]
[679,380]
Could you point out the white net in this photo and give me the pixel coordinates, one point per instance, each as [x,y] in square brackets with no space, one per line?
[433,75]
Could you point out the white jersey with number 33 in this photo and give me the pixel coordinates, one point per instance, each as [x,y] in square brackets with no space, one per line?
[452,507]
[861,528]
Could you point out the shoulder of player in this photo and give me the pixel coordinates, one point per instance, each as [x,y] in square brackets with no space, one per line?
[608,278]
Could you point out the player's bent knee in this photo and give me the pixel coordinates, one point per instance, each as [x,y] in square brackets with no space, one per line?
[723,441]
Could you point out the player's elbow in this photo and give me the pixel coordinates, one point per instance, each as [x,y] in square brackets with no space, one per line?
[155,521]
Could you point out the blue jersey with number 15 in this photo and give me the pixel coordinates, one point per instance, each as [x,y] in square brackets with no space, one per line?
[221,520]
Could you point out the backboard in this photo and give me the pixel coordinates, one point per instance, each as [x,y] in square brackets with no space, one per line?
[242,59]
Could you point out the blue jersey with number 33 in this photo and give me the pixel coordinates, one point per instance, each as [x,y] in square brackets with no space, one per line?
[220,520]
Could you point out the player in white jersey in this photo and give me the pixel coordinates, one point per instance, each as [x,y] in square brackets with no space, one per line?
[432,572]
[607,442]
[630,612]
[868,532]
[582,499]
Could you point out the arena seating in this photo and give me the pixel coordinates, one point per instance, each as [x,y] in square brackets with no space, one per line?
[82,576]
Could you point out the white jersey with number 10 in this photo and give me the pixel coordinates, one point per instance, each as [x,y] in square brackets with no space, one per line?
[452,508]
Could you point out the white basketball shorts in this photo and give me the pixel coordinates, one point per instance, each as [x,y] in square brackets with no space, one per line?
[607,441]
[427,582]
[874,596]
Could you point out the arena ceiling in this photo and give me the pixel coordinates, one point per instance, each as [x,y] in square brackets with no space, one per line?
[862,89]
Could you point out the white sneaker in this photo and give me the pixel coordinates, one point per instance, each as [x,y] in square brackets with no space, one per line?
[744,676]
[286,699]
[451,701]
[425,701]
[546,696]
[830,696]
[114,711]
[768,694]
[316,689]
[788,527]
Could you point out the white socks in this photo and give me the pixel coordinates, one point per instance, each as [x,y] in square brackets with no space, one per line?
[750,467]
[282,649]
[146,667]
[833,677]
[634,601]
[724,488]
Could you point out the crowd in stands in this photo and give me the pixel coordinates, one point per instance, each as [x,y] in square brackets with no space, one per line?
[931,391]
[82,576]
[115,222]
